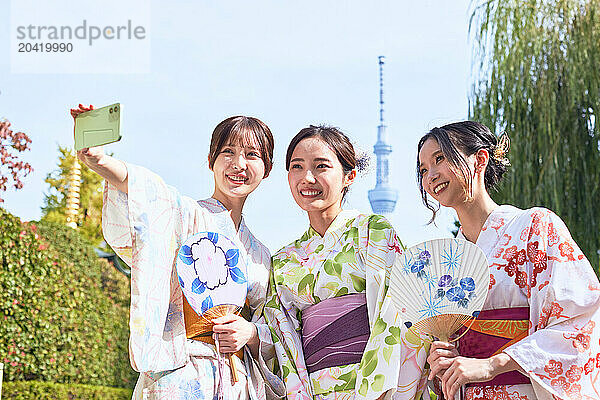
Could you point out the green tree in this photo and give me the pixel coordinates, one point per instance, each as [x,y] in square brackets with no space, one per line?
[63,311]
[90,209]
[537,75]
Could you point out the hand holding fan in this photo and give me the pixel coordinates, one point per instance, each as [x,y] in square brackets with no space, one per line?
[212,278]
[440,284]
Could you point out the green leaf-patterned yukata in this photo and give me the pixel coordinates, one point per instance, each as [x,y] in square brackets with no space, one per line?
[354,256]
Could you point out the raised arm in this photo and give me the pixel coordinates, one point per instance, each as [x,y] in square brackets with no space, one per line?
[110,168]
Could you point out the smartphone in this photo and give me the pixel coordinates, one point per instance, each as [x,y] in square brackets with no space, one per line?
[98,127]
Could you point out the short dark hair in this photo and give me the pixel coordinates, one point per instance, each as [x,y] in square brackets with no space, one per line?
[246,131]
[456,139]
[334,138]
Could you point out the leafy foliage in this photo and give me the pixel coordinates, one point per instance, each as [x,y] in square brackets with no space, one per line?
[56,391]
[55,201]
[10,168]
[63,311]
[537,76]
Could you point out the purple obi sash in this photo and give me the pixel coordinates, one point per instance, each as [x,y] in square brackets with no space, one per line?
[491,333]
[335,331]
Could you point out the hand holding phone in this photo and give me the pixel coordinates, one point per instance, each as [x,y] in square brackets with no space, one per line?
[89,149]
[96,127]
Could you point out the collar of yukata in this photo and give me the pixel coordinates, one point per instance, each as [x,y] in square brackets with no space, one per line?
[337,223]
[495,215]
[216,206]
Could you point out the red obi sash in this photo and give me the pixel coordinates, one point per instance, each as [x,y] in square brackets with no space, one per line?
[335,331]
[491,333]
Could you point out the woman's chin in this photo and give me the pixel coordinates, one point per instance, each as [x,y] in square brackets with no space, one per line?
[308,206]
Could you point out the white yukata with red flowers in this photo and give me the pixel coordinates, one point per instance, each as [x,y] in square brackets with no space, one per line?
[534,262]
[146,227]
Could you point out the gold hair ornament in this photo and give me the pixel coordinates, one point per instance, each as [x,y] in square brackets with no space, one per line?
[501,149]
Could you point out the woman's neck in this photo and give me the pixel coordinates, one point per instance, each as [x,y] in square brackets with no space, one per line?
[321,220]
[473,214]
[234,205]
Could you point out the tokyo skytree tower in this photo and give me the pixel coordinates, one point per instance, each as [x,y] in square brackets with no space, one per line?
[383,197]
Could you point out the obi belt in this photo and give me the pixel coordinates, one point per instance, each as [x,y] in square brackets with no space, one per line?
[491,333]
[335,331]
[198,328]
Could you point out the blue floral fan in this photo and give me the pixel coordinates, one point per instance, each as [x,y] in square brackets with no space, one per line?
[439,285]
[211,273]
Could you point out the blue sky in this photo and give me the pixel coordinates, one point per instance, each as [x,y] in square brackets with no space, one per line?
[288,63]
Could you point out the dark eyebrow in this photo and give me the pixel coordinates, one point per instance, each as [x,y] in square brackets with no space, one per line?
[231,144]
[433,155]
[319,159]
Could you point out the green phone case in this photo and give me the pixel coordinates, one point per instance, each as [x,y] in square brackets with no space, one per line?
[98,127]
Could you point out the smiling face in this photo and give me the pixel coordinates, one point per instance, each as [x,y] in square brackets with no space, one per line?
[316,177]
[238,170]
[240,156]
[438,177]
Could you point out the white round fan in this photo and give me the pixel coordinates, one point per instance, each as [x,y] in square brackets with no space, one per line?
[211,273]
[440,284]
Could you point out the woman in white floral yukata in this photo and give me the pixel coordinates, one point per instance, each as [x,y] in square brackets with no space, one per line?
[145,222]
[336,333]
[537,336]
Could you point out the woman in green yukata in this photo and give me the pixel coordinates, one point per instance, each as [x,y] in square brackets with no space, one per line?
[337,335]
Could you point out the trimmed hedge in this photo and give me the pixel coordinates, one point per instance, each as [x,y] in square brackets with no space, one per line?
[63,312]
[33,390]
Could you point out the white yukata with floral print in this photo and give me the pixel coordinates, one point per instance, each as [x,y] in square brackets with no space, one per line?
[146,227]
[535,263]
[355,255]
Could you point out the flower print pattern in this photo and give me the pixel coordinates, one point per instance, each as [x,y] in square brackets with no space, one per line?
[534,262]
[553,368]
[495,393]
[454,290]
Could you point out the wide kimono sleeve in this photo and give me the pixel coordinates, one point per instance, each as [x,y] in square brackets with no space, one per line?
[282,318]
[145,228]
[264,362]
[394,358]
[266,359]
[561,354]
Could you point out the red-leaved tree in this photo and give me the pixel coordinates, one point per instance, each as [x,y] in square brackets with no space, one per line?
[12,143]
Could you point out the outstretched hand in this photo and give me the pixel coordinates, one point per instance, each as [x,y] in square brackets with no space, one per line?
[89,156]
[234,332]
[111,169]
